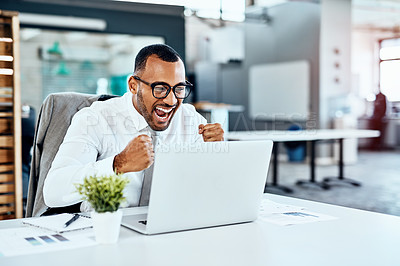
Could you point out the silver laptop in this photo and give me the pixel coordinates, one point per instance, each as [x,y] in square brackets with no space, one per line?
[204,185]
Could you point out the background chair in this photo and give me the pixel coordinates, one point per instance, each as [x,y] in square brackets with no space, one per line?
[54,118]
[28,133]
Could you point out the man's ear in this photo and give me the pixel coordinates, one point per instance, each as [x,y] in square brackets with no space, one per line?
[132,84]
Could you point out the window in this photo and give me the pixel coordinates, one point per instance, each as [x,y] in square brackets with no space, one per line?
[389,68]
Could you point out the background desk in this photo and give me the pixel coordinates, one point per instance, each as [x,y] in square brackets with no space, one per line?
[218,113]
[311,136]
[356,238]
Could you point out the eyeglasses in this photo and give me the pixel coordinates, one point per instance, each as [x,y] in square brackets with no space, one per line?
[162,89]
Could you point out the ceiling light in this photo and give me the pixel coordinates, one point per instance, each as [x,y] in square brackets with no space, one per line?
[55,49]
[62,21]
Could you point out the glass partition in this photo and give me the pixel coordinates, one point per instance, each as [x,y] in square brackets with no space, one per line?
[59,61]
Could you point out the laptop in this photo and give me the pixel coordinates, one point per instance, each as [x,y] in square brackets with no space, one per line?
[204,185]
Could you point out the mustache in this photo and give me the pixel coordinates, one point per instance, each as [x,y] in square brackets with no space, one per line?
[166,105]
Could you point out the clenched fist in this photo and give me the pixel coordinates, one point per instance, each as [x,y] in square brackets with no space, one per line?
[137,155]
[211,132]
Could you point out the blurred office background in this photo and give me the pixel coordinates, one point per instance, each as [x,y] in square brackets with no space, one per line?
[332,57]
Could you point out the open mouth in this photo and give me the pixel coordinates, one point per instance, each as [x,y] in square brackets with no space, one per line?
[162,114]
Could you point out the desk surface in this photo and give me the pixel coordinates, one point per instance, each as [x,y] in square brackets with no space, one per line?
[356,238]
[301,135]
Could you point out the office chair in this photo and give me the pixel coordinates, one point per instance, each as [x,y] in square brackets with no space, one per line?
[54,118]
[28,133]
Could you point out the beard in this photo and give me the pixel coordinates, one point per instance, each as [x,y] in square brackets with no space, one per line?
[148,116]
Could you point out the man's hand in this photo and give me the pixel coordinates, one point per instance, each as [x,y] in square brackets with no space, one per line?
[211,132]
[137,155]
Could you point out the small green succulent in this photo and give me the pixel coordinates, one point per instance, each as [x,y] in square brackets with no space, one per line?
[104,193]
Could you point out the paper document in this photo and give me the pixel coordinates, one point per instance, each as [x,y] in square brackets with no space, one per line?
[283,214]
[269,206]
[30,240]
[56,223]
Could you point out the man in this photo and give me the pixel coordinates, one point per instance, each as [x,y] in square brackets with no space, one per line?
[377,121]
[116,135]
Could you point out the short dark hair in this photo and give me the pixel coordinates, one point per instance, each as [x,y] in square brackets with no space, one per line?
[162,51]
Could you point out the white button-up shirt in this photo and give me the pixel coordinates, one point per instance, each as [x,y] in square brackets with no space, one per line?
[98,133]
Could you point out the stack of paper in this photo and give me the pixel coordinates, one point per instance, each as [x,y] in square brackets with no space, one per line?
[31,240]
[56,222]
[284,214]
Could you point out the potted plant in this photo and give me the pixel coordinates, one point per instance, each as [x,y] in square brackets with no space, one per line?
[104,194]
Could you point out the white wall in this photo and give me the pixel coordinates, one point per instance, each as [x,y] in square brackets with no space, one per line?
[207,41]
[365,60]
[123,56]
[195,51]
[363,57]
[292,35]
[335,64]
[226,44]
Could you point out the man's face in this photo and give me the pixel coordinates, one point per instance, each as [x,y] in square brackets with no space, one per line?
[157,112]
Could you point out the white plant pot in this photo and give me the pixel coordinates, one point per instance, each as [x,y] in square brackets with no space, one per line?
[106,226]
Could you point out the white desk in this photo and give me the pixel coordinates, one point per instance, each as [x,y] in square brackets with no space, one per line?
[218,113]
[356,238]
[311,136]
[302,135]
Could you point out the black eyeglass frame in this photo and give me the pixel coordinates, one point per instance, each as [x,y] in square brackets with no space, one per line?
[154,84]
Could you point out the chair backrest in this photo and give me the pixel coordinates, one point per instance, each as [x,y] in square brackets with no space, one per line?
[54,118]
